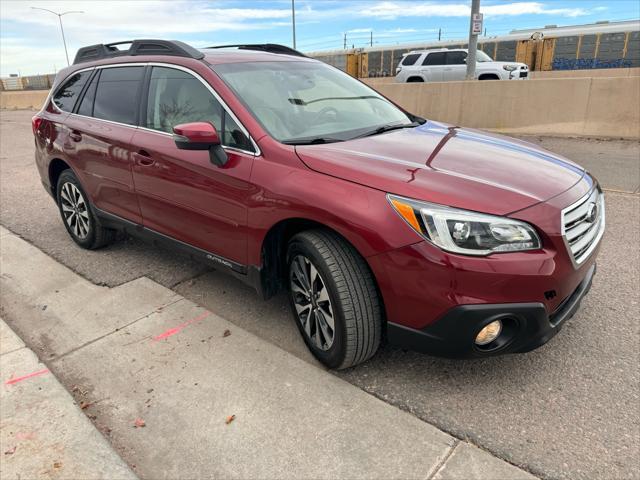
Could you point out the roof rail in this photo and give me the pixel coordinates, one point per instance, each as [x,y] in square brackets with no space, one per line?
[265,47]
[137,47]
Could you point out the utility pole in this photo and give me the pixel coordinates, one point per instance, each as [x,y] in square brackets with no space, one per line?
[475,28]
[345,41]
[293,21]
[371,42]
[439,34]
[59,15]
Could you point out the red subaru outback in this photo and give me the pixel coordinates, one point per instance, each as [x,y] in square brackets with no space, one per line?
[291,175]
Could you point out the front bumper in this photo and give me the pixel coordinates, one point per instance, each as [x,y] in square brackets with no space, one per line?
[519,75]
[528,327]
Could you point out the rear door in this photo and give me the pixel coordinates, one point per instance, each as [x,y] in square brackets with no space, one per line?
[433,66]
[456,66]
[100,133]
[181,193]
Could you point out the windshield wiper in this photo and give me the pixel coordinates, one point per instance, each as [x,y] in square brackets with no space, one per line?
[387,128]
[299,101]
[311,141]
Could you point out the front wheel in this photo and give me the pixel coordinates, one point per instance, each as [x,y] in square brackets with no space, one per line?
[333,298]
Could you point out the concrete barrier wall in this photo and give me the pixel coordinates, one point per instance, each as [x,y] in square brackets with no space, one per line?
[593,72]
[27,99]
[602,107]
[593,106]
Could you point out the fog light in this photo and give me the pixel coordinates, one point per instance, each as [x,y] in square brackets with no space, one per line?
[489,333]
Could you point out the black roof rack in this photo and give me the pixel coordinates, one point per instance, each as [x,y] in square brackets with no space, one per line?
[265,47]
[137,47]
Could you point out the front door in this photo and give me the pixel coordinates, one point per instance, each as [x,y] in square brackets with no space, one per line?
[181,193]
[456,67]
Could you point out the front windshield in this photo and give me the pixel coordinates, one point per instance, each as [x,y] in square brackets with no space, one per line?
[483,57]
[301,100]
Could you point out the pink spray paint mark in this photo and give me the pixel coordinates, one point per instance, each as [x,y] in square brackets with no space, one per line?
[179,328]
[11,381]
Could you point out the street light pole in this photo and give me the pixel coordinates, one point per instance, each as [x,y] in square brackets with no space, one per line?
[59,15]
[293,21]
[473,41]
[64,40]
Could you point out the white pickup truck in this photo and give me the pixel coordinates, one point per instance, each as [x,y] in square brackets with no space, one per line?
[443,65]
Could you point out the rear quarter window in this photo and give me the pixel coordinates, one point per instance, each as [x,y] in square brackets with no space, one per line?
[411,59]
[116,97]
[67,95]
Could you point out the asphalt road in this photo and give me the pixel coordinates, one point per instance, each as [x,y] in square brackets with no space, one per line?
[570,409]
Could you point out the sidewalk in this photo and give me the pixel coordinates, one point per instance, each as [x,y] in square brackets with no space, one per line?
[182,393]
[42,433]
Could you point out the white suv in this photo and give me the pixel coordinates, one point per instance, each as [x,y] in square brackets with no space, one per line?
[443,65]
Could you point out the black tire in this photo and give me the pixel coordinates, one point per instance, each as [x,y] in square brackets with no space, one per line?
[94,235]
[415,79]
[489,77]
[354,298]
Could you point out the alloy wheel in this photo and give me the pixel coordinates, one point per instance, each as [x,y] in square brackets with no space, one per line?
[312,303]
[74,210]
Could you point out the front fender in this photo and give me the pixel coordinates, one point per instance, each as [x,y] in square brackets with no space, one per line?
[360,214]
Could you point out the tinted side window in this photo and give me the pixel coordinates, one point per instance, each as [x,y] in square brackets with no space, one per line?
[86,105]
[436,58]
[177,97]
[116,94]
[456,58]
[411,59]
[65,98]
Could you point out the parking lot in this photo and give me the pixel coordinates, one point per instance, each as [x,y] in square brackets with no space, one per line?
[570,409]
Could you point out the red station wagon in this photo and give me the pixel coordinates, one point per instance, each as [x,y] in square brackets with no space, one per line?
[292,175]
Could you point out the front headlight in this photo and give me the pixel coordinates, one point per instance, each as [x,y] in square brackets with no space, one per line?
[510,68]
[465,232]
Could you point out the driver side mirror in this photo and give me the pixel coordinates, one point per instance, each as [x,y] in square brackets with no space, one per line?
[200,136]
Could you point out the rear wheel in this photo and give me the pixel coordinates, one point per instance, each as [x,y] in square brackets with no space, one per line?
[77,215]
[333,298]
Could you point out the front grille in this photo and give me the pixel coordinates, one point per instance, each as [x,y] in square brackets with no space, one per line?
[583,225]
[524,74]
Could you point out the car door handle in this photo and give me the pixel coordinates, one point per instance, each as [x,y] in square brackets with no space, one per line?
[143,158]
[75,136]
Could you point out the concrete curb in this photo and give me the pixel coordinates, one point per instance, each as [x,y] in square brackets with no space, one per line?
[42,431]
[208,398]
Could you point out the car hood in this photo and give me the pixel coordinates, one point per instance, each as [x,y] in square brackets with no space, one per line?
[448,165]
